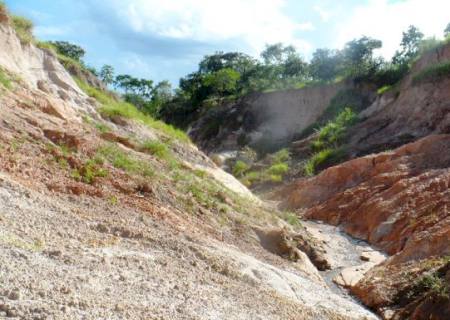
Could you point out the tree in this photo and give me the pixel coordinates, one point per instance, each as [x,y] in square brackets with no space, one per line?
[358,56]
[107,74]
[410,46]
[69,50]
[447,31]
[325,64]
[222,82]
[277,54]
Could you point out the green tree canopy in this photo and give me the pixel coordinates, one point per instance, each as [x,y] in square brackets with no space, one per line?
[69,50]
[107,74]
[410,46]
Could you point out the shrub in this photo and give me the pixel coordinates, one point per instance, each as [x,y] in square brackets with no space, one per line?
[278,169]
[24,29]
[318,159]
[240,168]
[435,285]
[433,73]
[291,218]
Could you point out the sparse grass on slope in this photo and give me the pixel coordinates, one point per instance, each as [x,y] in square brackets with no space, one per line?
[111,107]
[433,73]
[5,80]
[24,28]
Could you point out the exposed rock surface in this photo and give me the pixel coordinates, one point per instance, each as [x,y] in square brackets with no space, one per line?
[262,118]
[407,112]
[397,200]
[94,227]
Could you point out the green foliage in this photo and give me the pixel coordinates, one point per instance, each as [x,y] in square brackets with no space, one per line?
[121,160]
[278,169]
[240,168]
[90,171]
[349,98]
[23,28]
[107,74]
[435,285]
[69,50]
[327,146]
[291,218]
[5,80]
[326,64]
[319,159]
[222,82]
[103,128]
[409,46]
[274,172]
[433,73]
[447,31]
[112,108]
[156,148]
[384,89]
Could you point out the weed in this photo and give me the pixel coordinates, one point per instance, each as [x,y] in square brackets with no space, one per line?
[384,89]
[89,172]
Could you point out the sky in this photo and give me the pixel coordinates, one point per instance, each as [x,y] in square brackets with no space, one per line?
[165,39]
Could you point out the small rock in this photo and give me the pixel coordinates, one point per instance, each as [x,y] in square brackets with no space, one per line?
[14,295]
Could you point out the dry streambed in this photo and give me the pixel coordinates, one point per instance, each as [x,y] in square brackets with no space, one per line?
[348,257]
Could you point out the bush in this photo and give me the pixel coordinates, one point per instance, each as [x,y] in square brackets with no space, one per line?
[278,169]
[321,159]
[24,29]
[240,168]
[433,73]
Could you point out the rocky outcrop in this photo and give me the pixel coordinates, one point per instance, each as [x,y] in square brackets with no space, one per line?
[40,70]
[398,201]
[263,120]
[409,111]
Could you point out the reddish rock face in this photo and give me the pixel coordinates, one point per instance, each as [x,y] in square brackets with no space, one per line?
[399,200]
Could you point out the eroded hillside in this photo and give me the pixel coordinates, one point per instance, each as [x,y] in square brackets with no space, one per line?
[107,213]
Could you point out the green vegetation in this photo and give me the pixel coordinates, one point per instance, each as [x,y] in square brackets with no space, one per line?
[121,160]
[435,284]
[384,89]
[327,146]
[90,171]
[433,73]
[239,168]
[24,29]
[291,218]
[111,107]
[274,172]
[156,148]
[5,80]
[349,98]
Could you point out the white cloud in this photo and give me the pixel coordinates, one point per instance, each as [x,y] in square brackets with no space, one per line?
[386,20]
[325,15]
[252,22]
